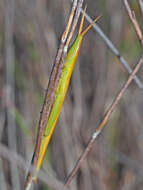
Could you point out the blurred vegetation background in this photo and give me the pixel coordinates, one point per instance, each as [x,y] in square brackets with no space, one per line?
[29,37]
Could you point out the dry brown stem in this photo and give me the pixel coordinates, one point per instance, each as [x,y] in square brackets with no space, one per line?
[54,78]
[133,19]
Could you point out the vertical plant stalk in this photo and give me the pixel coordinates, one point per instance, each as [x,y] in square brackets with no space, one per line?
[102,124]
[53,81]
[133,19]
[10,86]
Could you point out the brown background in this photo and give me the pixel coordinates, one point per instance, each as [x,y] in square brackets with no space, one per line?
[29,36]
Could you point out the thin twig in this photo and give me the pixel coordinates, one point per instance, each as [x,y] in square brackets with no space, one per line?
[102,124]
[132,17]
[53,81]
[113,49]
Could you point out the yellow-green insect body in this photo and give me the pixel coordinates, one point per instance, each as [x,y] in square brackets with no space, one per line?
[61,91]
[59,96]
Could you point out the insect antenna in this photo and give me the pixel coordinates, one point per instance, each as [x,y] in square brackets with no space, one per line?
[90,25]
